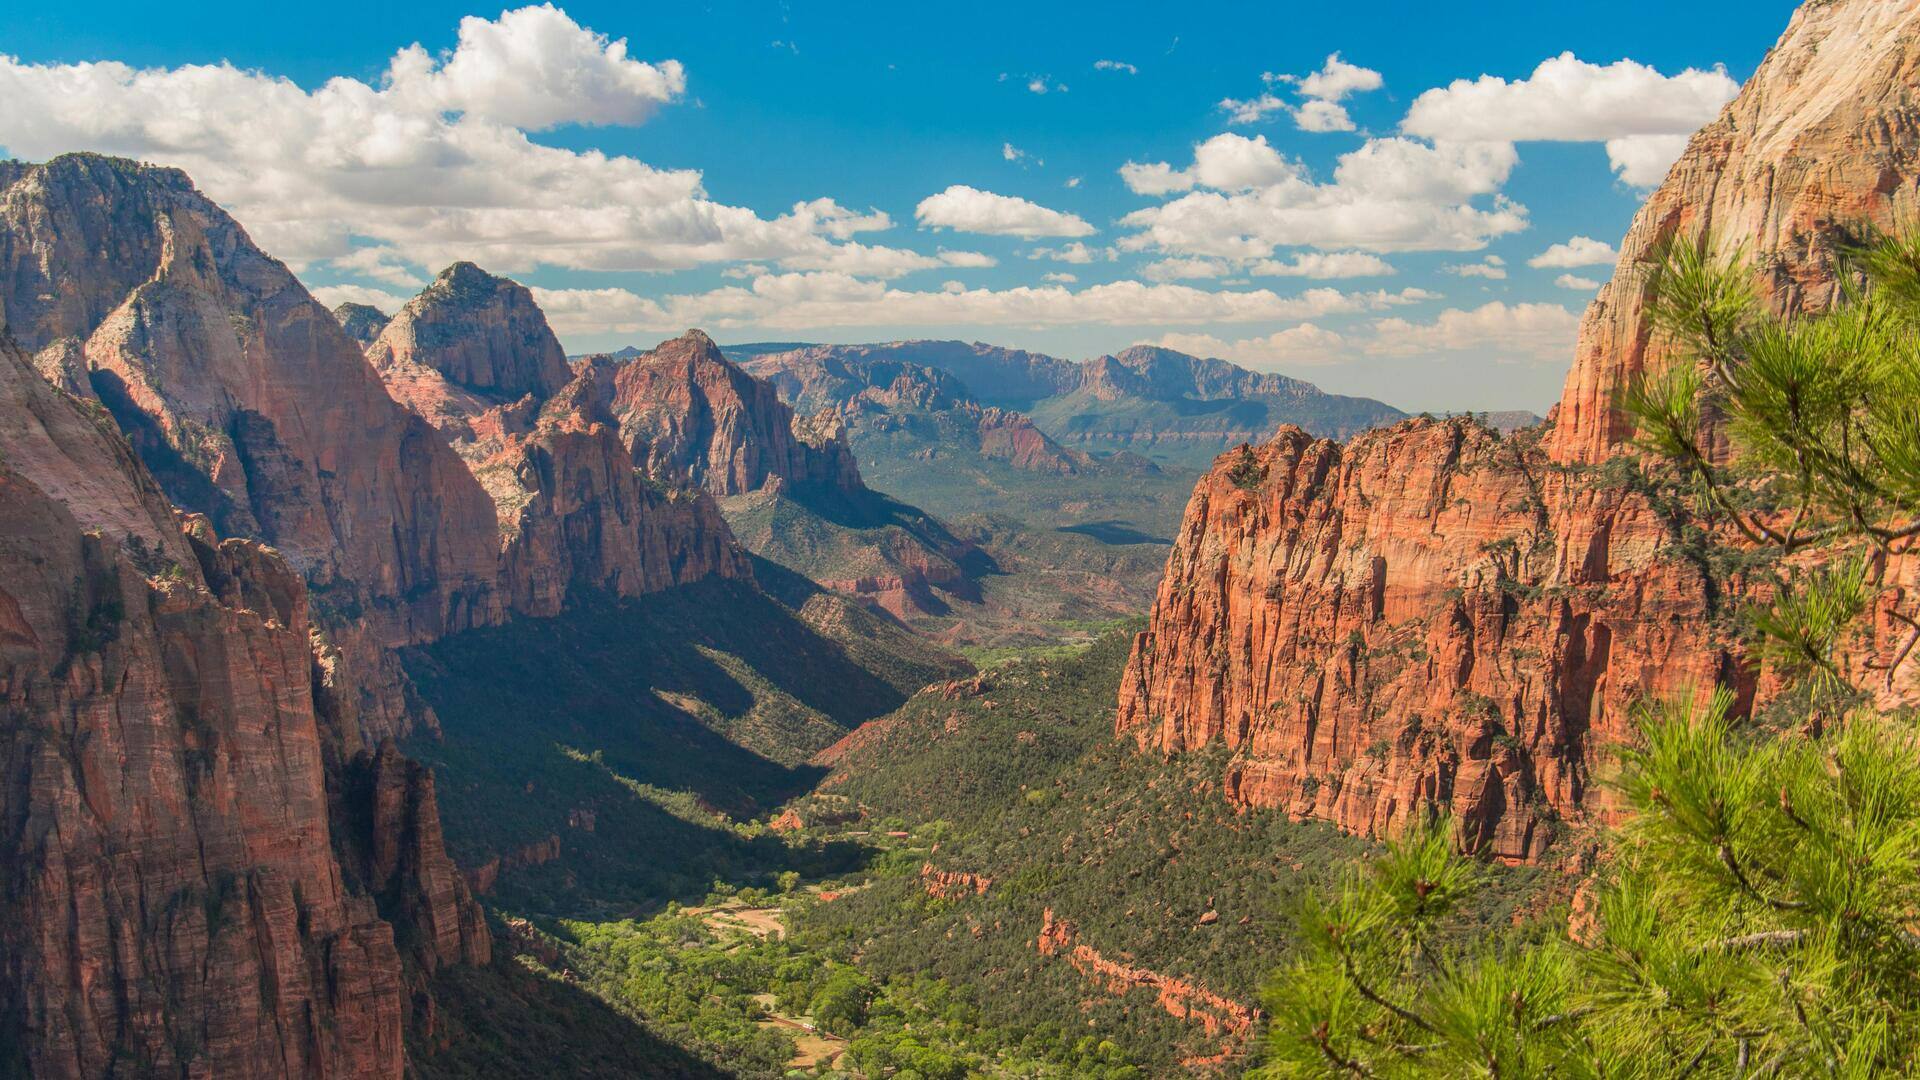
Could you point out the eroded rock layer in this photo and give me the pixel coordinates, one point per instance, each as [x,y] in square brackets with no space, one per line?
[1431,616]
[179,900]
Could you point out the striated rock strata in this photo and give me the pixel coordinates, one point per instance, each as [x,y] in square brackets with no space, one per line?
[182,895]
[1431,616]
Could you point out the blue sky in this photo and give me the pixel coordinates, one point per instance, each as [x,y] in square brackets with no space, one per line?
[637,194]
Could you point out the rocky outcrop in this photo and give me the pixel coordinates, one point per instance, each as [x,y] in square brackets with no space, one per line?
[249,404]
[177,901]
[468,342]
[952,884]
[243,394]
[362,322]
[694,417]
[474,355]
[1428,616]
[1824,138]
[881,397]
[1433,616]
[1215,1015]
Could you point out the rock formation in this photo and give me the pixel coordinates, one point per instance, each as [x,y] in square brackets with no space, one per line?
[250,404]
[705,422]
[178,901]
[474,356]
[362,322]
[1433,616]
[1143,399]
[878,398]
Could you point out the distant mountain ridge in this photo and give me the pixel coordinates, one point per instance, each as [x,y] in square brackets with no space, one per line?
[1162,403]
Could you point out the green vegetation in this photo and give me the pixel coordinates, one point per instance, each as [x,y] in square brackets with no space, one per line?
[1755,913]
[619,728]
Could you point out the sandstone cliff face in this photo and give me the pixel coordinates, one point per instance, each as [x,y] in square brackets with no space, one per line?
[468,342]
[242,394]
[1431,616]
[705,422]
[176,901]
[1825,137]
[1426,616]
[574,507]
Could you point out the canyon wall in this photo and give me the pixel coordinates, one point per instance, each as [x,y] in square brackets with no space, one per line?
[183,895]
[1433,616]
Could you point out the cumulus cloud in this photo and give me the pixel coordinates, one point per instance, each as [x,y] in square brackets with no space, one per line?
[1183,269]
[803,301]
[1576,251]
[432,163]
[968,209]
[1508,332]
[1305,345]
[1493,268]
[1642,116]
[1516,333]
[1571,281]
[334,295]
[1115,65]
[1058,277]
[1076,252]
[1324,265]
[1394,194]
[1321,94]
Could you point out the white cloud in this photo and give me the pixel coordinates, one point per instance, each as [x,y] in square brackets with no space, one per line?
[1155,178]
[1059,278]
[1389,195]
[1076,252]
[882,262]
[1336,80]
[1509,332]
[1011,152]
[1115,65]
[1251,110]
[1305,345]
[1570,281]
[332,296]
[1642,116]
[1643,160]
[1183,269]
[1517,333]
[1322,116]
[433,163]
[1324,265]
[1493,268]
[969,209]
[810,301]
[1575,251]
[1321,93]
[1042,84]
[535,68]
[381,264]
[1072,182]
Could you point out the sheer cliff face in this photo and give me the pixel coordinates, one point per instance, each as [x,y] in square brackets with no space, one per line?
[470,341]
[178,901]
[1825,137]
[694,417]
[1432,616]
[244,396]
[474,356]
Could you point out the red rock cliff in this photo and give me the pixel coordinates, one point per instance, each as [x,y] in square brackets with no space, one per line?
[693,416]
[1429,615]
[177,901]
